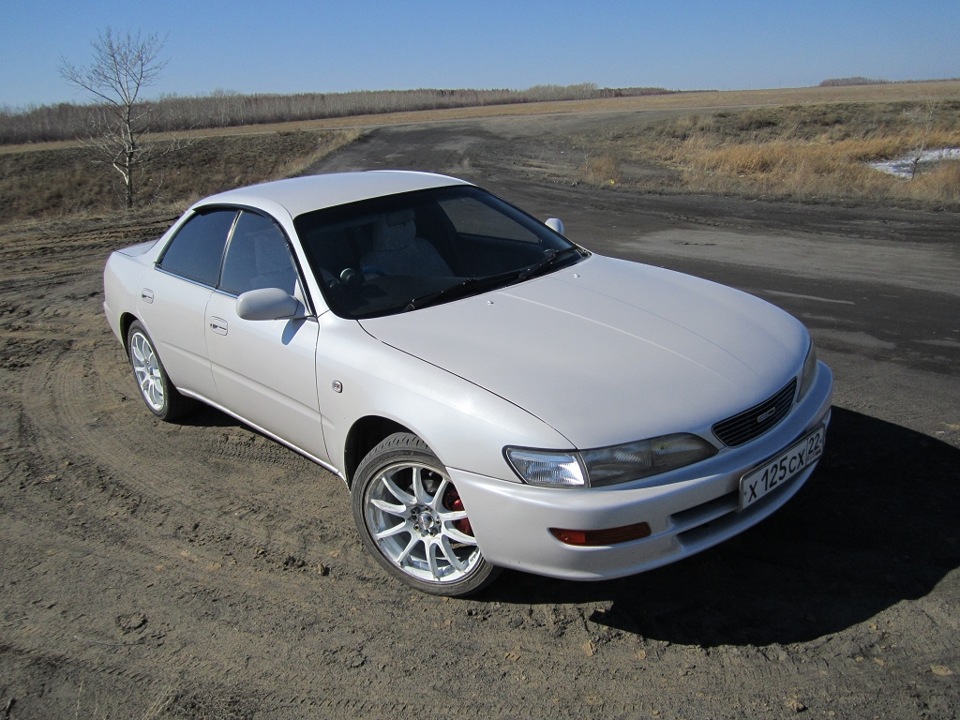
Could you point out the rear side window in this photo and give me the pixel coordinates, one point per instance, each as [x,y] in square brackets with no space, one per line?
[196,251]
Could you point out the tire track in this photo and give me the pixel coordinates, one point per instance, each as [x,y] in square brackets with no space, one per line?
[235,485]
[220,483]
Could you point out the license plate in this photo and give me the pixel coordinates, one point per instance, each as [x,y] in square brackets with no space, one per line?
[779,470]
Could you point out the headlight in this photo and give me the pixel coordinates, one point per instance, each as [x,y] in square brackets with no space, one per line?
[809,370]
[609,465]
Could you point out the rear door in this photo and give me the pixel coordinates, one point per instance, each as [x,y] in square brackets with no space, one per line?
[174,297]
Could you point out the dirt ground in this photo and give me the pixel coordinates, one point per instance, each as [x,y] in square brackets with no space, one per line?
[199,570]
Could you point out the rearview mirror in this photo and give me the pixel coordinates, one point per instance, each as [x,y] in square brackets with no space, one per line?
[555,224]
[268,304]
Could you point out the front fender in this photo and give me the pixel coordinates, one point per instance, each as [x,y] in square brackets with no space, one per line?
[466,426]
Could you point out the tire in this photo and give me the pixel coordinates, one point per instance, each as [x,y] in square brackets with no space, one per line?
[412,520]
[158,393]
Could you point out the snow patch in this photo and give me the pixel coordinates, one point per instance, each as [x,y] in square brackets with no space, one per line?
[907,166]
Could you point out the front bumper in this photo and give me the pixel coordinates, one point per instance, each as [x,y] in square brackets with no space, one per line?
[691,509]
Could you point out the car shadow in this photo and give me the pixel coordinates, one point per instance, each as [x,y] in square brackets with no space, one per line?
[206,416]
[876,524]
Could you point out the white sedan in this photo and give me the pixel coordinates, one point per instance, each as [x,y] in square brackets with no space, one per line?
[493,395]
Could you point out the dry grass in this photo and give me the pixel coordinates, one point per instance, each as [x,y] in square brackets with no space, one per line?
[61,181]
[804,152]
[941,185]
[601,170]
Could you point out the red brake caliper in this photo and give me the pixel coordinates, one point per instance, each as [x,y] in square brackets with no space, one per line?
[451,499]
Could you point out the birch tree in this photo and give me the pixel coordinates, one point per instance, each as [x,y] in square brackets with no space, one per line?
[121,67]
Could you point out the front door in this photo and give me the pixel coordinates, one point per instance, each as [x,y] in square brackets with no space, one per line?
[265,370]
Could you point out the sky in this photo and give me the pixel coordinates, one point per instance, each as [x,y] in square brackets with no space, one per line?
[328,46]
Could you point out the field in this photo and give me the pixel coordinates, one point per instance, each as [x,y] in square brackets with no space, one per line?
[807,145]
[199,570]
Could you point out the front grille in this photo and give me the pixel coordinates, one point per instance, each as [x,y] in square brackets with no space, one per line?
[757,420]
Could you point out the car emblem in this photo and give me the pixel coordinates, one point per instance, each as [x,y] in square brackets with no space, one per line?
[767,415]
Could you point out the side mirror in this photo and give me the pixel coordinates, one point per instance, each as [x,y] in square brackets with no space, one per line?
[555,224]
[268,304]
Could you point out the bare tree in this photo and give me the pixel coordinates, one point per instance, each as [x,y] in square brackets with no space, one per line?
[121,67]
[925,118]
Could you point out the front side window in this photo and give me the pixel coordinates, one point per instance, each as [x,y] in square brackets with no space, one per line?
[258,257]
[197,250]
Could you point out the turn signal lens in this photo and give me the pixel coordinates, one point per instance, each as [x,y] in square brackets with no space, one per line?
[543,467]
[595,538]
[809,370]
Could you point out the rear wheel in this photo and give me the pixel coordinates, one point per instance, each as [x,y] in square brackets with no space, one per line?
[413,521]
[159,394]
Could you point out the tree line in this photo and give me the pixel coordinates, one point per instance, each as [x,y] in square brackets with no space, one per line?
[859,80]
[220,109]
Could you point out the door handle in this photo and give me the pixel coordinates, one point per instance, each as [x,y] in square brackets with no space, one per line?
[218,325]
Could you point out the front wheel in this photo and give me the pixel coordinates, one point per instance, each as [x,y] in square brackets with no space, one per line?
[411,518]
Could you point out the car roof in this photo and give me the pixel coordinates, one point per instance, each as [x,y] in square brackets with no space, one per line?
[298,195]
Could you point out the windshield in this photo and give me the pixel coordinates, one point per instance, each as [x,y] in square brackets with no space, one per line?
[404,252]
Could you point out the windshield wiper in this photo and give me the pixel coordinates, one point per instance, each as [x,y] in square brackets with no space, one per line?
[550,258]
[462,288]
[473,285]
[468,286]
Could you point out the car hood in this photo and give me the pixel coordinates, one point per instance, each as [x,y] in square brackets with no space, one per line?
[608,351]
